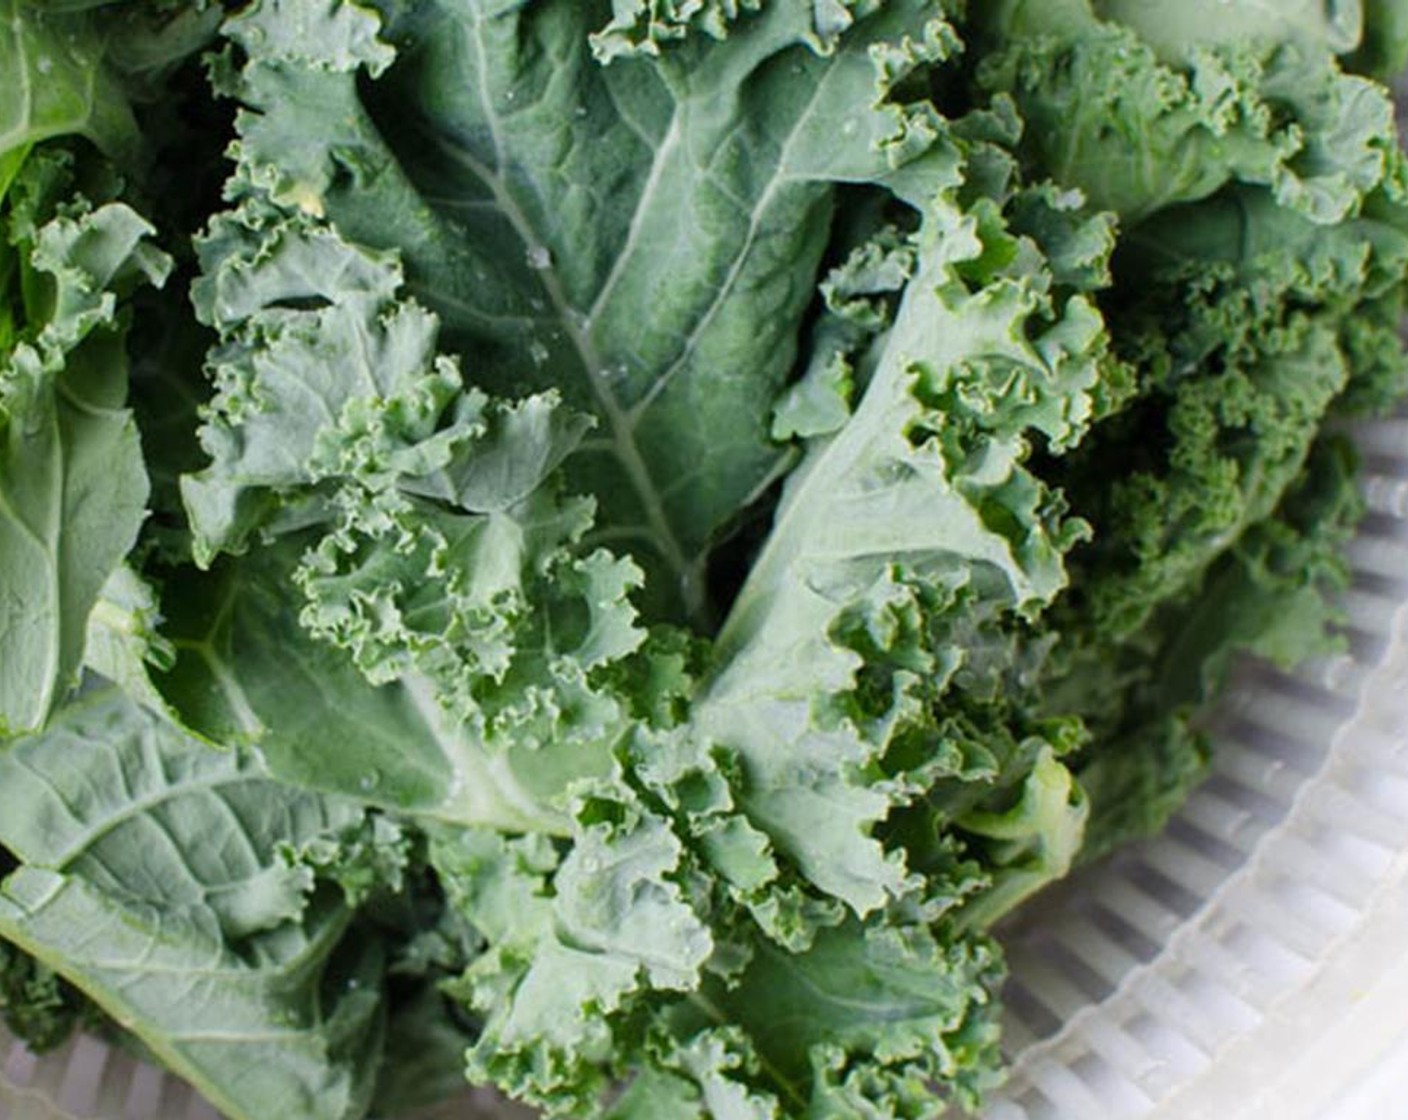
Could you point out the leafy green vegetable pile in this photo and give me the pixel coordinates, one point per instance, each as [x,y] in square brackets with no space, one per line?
[605,545]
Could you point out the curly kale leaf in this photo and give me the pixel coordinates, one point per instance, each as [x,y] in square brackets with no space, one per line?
[642,238]
[1140,125]
[152,877]
[73,488]
[35,1003]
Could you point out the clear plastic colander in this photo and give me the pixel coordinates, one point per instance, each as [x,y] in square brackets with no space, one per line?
[1250,962]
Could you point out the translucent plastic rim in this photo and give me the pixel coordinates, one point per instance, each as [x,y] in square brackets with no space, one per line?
[1250,962]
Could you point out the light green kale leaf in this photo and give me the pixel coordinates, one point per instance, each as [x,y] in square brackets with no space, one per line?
[871,1018]
[1313,26]
[915,515]
[425,615]
[424,532]
[245,671]
[124,643]
[57,84]
[874,1019]
[1140,126]
[151,877]
[642,238]
[572,944]
[646,27]
[73,489]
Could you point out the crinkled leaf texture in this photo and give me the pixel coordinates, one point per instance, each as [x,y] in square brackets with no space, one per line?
[1259,294]
[1214,542]
[514,688]
[575,945]
[916,512]
[244,671]
[35,1005]
[73,489]
[697,822]
[452,558]
[151,877]
[422,522]
[641,238]
[1138,132]
[438,560]
[508,341]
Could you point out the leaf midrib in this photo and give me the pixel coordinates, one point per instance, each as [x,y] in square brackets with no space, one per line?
[49,544]
[577,324]
[25,130]
[626,450]
[166,1047]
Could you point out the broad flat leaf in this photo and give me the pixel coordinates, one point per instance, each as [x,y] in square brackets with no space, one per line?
[56,83]
[926,476]
[73,490]
[641,237]
[870,1015]
[151,878]
[245,671]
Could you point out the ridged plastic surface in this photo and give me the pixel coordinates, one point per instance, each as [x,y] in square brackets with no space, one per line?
[87,1080]
[1252,961]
